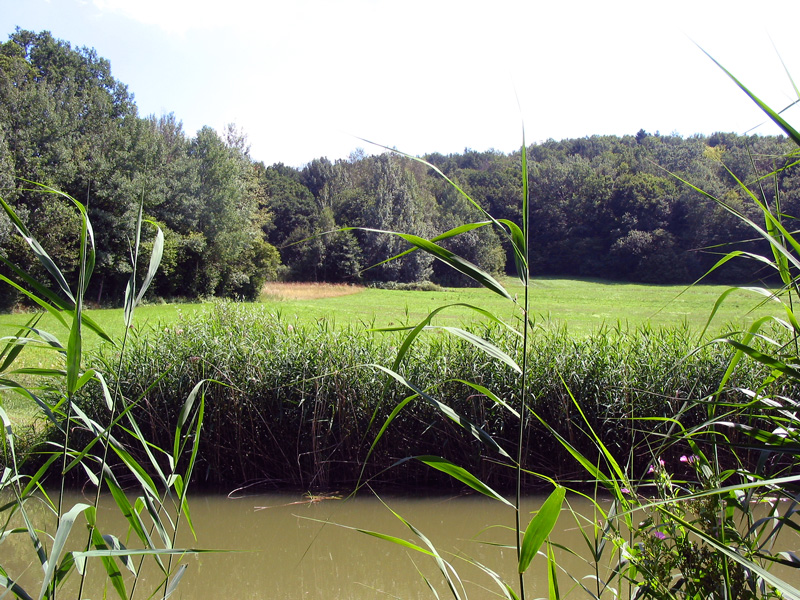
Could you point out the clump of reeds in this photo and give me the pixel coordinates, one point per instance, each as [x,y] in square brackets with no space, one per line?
[297,404]
[154,503]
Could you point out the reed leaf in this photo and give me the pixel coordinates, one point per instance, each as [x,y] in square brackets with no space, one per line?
[463,422]
[12,586]
[42,256]
[489,394]
[110,565]
[174,581]
[540,527]
[65,523]
[460,264]
[776,118]
[552,575]
[462,475]
[484,346]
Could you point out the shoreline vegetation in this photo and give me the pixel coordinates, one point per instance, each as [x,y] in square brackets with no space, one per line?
[297,404]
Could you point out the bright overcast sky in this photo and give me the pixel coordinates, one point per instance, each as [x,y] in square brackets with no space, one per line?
[305,78]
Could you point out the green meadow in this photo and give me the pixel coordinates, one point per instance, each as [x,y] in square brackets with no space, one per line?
[582,306]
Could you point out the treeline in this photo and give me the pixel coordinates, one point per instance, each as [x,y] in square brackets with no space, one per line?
[602,206]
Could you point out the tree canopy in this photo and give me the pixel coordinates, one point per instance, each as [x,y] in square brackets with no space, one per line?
[600,206]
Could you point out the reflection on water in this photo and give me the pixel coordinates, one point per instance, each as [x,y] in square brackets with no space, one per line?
[285,546]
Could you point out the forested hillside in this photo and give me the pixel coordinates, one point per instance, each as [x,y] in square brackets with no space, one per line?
[600,206]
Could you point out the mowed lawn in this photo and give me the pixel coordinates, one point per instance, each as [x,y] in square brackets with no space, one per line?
[582,306]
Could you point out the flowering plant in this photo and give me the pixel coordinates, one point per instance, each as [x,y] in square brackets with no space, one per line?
[670,552]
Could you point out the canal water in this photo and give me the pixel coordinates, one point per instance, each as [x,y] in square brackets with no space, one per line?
[287,546]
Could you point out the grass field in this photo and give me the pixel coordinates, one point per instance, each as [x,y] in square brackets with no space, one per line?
[582,306]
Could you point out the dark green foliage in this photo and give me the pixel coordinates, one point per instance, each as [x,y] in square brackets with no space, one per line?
[297,400]
[65,121]
[600,206]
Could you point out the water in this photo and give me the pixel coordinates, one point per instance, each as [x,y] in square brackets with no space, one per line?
[282,546]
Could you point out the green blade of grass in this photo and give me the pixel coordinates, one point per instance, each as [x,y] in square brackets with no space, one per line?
[462,475]
[65,523]
[540,527]
[42,256]
[460,264]
[776,118]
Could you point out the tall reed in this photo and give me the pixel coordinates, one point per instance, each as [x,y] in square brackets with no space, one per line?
[701,536]
[296,404]
[82,444]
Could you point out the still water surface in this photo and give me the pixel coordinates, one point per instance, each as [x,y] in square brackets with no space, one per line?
[286,546]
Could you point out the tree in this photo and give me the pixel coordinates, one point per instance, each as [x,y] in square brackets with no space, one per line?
[396,203]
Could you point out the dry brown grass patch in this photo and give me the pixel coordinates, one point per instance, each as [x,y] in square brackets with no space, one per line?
[307,291]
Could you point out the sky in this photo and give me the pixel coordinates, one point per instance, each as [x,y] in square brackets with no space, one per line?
[310,78]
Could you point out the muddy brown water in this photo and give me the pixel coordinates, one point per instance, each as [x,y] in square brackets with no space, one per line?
[282,546]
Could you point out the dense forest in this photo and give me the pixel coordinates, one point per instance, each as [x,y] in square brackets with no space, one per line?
[600,206]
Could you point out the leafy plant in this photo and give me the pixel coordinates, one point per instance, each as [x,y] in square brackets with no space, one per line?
[715,534]
[80,446]
[697,539]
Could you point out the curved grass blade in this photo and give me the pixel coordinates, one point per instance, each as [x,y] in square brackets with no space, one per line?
[155,260]
[13,346]
[484,346]
[419,327]
[12,586]
[65,524]
[552,575]
[442,236]
[8,384]
[175,580]
[461,265]
[520,252]
[489,394]
[765,359]
[42,256]
[540,527]
[776,118]
[462,475]
[465,423]
[110,565]
[46,306]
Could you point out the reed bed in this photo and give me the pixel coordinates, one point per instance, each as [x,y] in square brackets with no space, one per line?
[296,405]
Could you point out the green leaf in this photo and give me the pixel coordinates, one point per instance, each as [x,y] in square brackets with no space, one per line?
[65,524]
[552,574]
[776,118]
[462,475]
[540,527]
[765,359]
[175,580]
[38,251]
[13,587]
[484,346]
[461,265]
[100,543]
[451,414]
[489,394]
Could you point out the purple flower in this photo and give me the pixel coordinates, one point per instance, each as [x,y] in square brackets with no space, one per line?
[659,535]
[689,460]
